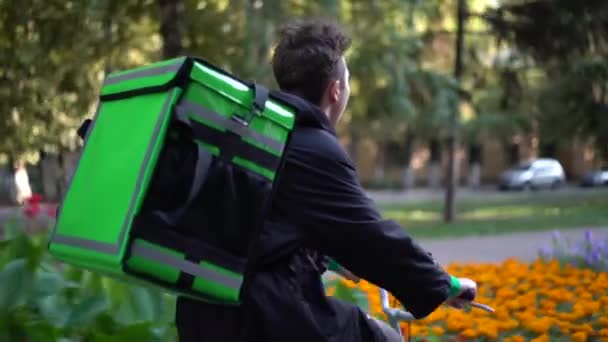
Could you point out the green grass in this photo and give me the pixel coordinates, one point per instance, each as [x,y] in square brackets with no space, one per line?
[505,214]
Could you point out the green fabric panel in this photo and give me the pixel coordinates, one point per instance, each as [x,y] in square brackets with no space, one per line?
[100,194]
[214,289]
[285,113]
[158,146]
[207,98]
[254,167]
[136,83]
[86,258]
[147,67]
[262,147]
[154,268]
[240,94]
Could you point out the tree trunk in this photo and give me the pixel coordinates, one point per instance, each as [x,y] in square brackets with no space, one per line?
[548,150]
[512,152]
[11,185]
[434,176]
[171,27]
[409,177]
[380,164]
[474,180]
[49,176]
[449,211]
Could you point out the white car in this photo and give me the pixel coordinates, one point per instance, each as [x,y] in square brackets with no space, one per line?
[596,178]
[534,174]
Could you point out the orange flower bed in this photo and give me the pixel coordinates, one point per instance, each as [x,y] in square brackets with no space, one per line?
[534,302]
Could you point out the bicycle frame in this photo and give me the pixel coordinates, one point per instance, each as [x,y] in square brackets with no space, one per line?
[393,315]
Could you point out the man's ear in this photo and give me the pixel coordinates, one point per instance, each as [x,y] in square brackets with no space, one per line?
[334,91]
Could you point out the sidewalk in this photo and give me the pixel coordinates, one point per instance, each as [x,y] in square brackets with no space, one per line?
[482,193]
[497,248]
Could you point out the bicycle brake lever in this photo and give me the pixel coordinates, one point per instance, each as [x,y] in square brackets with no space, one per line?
[469,295]
[483,307]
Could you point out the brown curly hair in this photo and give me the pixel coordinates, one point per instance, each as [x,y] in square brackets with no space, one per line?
[307,56]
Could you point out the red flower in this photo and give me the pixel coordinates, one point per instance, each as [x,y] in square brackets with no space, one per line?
[34,199]
[31,210]
[52,211]
[32,205]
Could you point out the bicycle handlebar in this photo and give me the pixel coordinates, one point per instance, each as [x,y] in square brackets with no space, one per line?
[394,315]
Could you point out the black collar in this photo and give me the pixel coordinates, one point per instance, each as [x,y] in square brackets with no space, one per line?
[307,113]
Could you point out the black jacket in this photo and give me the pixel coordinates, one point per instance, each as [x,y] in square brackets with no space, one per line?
[319,210]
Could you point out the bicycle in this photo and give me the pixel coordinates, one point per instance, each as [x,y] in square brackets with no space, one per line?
[395,316]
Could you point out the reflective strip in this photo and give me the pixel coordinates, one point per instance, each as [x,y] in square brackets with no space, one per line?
[108,248]
[142,73]
[189,107]
[102,247]
[144,165]
[139,249]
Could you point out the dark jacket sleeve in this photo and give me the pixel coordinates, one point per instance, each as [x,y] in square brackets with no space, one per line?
[329,205]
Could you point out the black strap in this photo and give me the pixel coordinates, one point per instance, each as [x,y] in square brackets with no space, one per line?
[186,280]
[195,249]
[230,144]
[203,162]
[84,128]
[261,96]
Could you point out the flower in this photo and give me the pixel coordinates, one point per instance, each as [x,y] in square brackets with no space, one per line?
[31,210]
[541,338]
[515,338]
[469,333]
[579,337]
[34,199]
[52,211]
[536,299]
[32,206]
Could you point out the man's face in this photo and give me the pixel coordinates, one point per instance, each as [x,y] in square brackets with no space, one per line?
[339,95]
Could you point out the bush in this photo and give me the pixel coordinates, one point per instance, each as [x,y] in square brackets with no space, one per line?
[588,253]
[43,300]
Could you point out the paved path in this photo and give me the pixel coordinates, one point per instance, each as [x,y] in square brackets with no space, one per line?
[483,193]
[524,246]
[482,249]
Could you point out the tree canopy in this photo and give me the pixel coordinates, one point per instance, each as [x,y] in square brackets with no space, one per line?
[530,67]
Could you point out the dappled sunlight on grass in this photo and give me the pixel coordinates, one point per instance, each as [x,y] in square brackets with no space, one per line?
[499,213]
[508,212]
[412,215]
[492,216]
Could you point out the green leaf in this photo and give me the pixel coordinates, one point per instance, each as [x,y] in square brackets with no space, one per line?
[87,311]
[136,332]
[353,296]
[47,284]
[106,323]
[41,331]
[4,244]
[55,310]
[16,282]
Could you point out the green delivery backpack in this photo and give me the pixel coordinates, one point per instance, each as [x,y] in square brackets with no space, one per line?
[174,180]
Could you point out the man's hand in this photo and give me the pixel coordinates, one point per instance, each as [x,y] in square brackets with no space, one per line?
[467,286]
